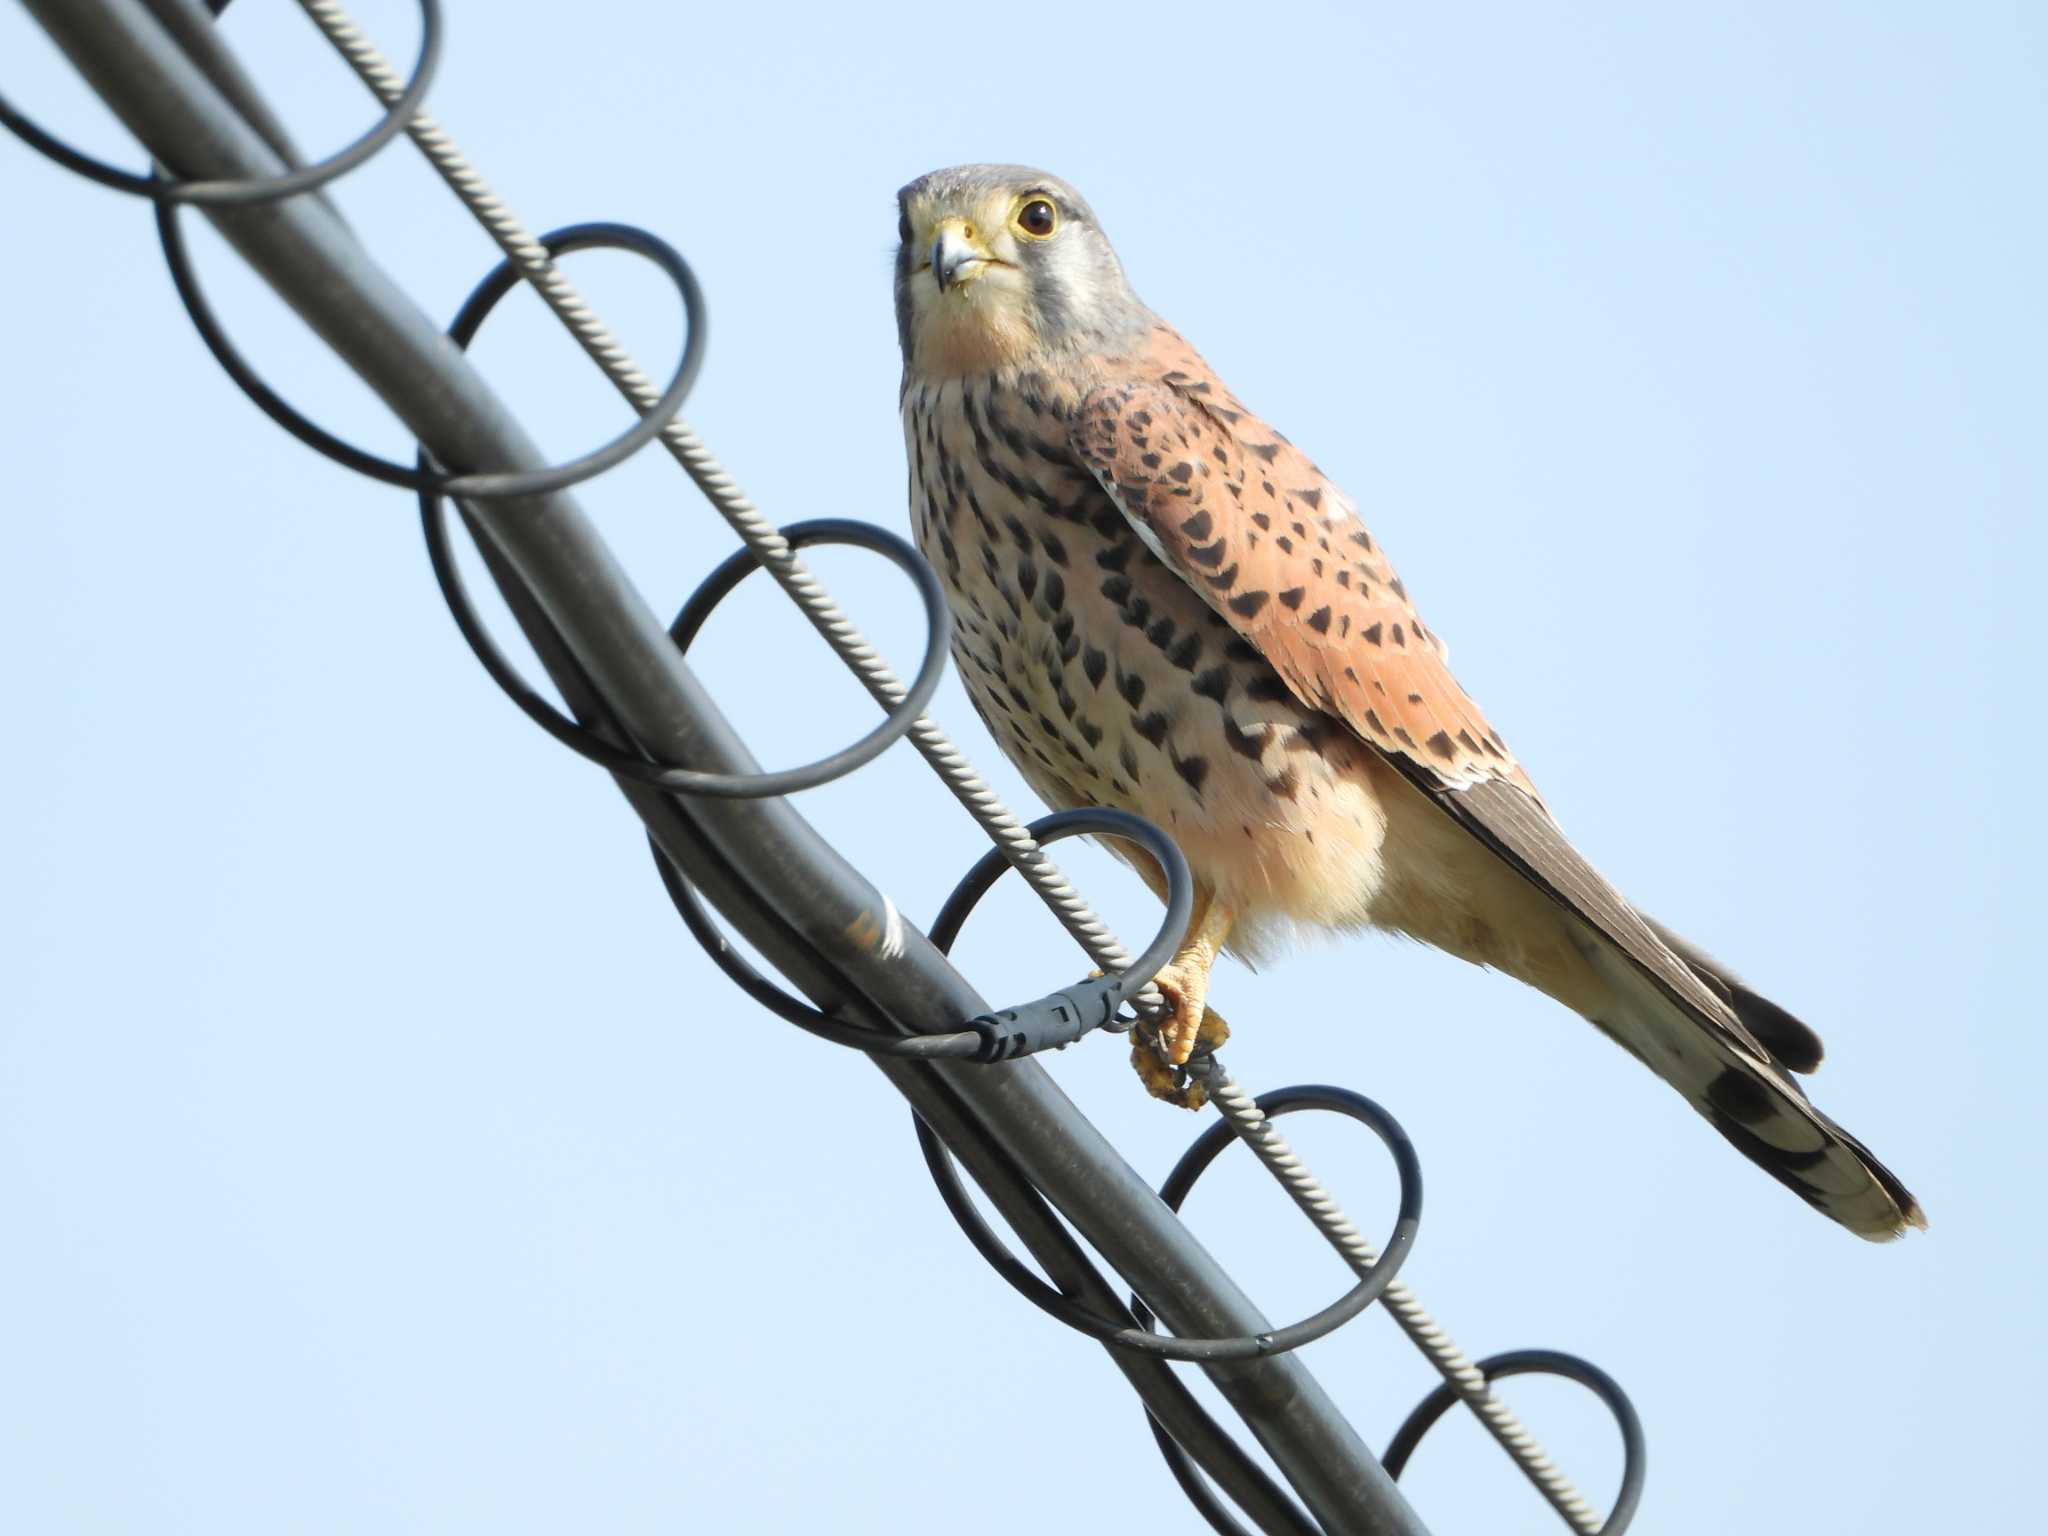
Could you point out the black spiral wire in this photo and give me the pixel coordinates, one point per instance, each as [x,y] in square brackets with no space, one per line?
[1053,1021]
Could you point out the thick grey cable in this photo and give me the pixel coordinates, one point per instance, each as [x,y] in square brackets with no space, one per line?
[613,643]
[948,761]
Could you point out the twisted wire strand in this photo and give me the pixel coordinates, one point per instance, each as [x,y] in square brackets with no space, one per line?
[1257,1131]
[1001,825]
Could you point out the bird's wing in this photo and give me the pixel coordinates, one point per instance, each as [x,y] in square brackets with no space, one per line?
[1243,517]
[1251,525]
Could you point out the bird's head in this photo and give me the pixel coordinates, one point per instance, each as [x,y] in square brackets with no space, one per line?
[1001,265]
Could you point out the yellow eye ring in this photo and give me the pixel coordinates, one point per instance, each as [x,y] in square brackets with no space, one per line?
[1036,218]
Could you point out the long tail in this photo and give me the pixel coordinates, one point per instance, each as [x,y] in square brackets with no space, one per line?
[1744,1088]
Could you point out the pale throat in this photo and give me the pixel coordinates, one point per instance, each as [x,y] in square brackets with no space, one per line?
[979,329]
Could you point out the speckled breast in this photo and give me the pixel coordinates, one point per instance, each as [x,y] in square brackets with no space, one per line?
[1103,675]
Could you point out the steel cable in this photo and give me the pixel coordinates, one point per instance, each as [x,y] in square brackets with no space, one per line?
[1247,1119]
[1001,825]
[1255,1128]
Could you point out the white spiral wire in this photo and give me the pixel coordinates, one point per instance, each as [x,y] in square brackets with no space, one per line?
[1257,1131]
[1002,826]
[760,536]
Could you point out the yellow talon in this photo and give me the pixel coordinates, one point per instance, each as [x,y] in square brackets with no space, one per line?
[1171,1081]
[1161,1051]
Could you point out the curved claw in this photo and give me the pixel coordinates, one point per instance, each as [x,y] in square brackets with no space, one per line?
[1168,1080]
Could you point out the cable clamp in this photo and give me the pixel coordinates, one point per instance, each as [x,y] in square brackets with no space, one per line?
[1052,1022]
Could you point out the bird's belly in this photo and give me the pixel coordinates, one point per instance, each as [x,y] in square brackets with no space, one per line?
[1108,681]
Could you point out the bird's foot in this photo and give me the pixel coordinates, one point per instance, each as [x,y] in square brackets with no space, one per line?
[1172,1085]
[1160,1051]
[1186,990]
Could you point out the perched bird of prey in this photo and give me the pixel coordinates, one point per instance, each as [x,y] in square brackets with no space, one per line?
[1160,604]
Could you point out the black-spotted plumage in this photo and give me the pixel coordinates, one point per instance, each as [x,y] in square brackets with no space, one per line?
[1161,604]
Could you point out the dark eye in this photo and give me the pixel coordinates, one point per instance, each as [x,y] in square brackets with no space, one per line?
[1037,218]
[903,226]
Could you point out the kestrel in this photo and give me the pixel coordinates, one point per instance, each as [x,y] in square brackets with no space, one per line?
[1160,604]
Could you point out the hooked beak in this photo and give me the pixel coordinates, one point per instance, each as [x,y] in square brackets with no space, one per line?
[956,256]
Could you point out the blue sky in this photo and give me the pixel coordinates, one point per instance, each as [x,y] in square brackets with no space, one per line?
[377,1153]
